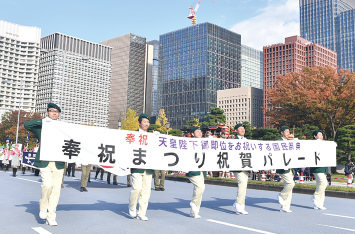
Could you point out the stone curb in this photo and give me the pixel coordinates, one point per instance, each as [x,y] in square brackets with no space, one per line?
[339,194]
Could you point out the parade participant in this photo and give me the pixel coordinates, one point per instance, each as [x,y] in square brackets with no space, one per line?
[320,173]
[16,155]
[241,176]
[85,173]
[159,186]
[224,135]
[197,178]
[285,196]
[35,150]
[1,156]
[109,178]
[99,170]
[7,157]
[51,172]
[141,181]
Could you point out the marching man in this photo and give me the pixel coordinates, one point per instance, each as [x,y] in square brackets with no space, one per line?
[197,178]
[285,196]
[51,172]
[241,176]
[141,181]
[320,173]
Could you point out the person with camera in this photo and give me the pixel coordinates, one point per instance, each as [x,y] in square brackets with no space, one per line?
[349,169]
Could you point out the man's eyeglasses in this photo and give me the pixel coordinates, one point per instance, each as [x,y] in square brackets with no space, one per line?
[53,111]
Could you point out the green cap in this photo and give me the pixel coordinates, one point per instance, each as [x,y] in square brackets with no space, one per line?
[283,128]
[193,129]
[52,105]
[239,125]
[143,116]
[315,133]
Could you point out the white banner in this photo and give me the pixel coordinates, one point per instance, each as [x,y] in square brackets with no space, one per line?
[132,149]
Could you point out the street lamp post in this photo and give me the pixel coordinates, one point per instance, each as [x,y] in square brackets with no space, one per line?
[167,128]
[119,124]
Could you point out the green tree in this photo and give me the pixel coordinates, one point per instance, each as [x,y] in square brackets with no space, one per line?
[346,142]
[175,132]
[270,134]
[215,117]
[154,127]
[130,122]
[247,130]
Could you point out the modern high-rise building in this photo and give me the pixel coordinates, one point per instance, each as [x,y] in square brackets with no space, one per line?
[75,74]
[19,61]
[151,100]
[252,67]
[240,105]
[292,56]
[131,60]
[331,23]
[194,63]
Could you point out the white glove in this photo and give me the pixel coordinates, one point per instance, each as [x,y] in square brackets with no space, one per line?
[157,133]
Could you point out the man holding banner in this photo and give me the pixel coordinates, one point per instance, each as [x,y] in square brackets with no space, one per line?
[51,172]
[241,176]
[141,181]
[320,173]
[285,196]
[197,178]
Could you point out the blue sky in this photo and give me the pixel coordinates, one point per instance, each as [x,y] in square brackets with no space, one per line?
[260,22]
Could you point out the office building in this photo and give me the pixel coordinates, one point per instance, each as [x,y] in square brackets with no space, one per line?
[240,105]
[330,23]
[75,74]
[131,60]
[292,56]
[19,61]
[194,63]
[252,67]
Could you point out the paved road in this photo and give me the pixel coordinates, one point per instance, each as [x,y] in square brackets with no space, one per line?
[104,210]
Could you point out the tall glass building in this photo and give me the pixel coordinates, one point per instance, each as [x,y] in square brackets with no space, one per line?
[331,23]
[194,63]
[252,67]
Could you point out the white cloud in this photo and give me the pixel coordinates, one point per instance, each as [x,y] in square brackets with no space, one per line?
[271,25]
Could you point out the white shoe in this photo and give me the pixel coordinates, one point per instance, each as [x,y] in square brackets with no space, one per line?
[281,200]
[319,207]
[43,214]
[51,222]
[195,216]
[240,209]
[142,217]
[132,213]
[194,208]
[286,210]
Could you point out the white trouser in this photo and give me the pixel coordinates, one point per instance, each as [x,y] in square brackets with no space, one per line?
[319,194]
[51,186]
[242,179]
[199,188]
[286,192]
[141,188]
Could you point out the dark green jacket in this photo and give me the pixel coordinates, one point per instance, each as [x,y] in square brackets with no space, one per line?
[134,170]
[195,173]
[319,170]
[35,126]
[282,171]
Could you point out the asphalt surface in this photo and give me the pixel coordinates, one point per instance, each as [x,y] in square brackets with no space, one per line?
[104,209]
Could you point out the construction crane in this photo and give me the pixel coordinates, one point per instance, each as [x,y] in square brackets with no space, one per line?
[193,11]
